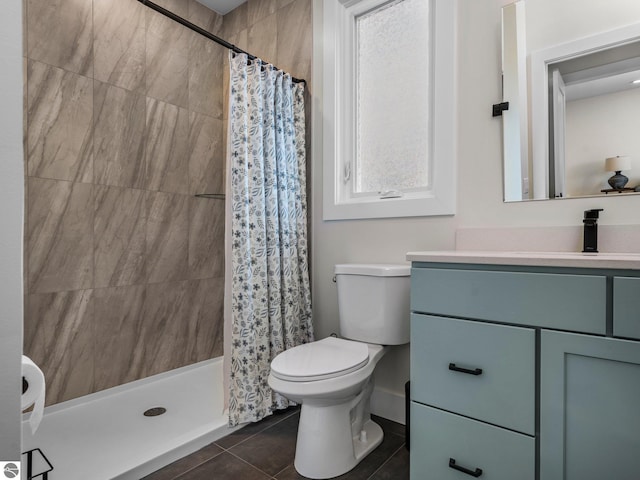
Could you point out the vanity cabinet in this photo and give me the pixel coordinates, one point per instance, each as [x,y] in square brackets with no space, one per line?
[517,372]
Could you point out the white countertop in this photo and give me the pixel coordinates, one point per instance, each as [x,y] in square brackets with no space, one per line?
[543,259]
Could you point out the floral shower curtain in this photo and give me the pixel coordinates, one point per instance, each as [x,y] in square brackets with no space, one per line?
[270,294]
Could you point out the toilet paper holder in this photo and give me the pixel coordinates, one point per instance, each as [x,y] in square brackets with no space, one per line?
[33,391]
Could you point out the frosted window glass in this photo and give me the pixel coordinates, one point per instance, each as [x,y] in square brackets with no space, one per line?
[393,97]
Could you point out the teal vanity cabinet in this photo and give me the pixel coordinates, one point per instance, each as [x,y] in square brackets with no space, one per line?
[524,372]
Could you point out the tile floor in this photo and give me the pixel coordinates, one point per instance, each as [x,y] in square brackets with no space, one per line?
[265,450]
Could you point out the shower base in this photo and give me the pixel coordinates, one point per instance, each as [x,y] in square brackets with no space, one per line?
[106,436]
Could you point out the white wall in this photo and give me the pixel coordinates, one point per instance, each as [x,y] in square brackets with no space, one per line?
[479,186]
[550,22]
[11,211]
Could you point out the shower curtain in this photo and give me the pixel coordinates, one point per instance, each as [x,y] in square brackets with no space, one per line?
[270,298]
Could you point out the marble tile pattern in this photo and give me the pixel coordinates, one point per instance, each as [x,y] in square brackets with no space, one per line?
[206,300]
[59,33]
[167,59]
[24,29]
[60,115]
[119,348]
[205,75]
[295,39]
[119,126]
[205,18]
[261,39]
[119,43]
[167,246]
[284,3]
[205,156]
[119,233]
[164,333]
[167,147]
[236,20]
[63,331]
[59,235]
[258,10]
[206,238]
[123,124]
[179,7]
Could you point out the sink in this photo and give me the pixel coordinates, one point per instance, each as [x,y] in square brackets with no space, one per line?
[551,259]
[576,255]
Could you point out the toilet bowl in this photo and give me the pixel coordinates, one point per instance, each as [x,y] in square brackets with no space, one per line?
[332,378]
[335,430]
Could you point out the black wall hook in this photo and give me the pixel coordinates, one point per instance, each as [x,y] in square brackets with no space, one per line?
[498,108]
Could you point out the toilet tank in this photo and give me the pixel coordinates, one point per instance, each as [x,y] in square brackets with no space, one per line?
[373,302]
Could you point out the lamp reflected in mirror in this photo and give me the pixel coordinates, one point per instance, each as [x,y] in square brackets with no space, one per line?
[617,164]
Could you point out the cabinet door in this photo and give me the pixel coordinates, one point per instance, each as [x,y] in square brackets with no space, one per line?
[589,408]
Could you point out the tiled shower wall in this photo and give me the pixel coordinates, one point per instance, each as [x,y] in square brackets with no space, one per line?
[278,31]
[123,265]
[123,124]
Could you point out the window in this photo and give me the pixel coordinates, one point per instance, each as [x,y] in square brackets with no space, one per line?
[387,76]
[392,108]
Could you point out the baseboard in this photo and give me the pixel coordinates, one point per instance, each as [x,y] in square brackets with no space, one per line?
[388,404]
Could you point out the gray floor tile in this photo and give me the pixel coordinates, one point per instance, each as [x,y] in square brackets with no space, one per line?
[266,449]
[375,459]
[389,426]
[396,468]
[289,473]
[185,464]
[224,467]
[252,429]
[272,449]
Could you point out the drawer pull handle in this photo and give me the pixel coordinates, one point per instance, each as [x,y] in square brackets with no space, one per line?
[474,473]
[476,371]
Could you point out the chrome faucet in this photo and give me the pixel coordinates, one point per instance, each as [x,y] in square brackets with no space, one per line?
[591,230]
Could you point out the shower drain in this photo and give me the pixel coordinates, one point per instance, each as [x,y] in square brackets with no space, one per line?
[154,412]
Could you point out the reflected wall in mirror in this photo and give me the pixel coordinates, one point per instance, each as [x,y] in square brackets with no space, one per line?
[568,73]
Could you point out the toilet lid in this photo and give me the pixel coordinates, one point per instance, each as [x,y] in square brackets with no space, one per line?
[326,358]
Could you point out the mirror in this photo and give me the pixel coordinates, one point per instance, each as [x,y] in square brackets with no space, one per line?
[568,73]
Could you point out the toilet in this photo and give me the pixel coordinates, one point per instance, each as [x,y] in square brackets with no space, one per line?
[332,378]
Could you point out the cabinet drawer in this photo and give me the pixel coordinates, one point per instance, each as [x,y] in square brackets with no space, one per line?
[437,437]
[626,307]
[503,393]
[568,302]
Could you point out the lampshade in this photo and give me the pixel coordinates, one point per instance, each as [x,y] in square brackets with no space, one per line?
[618,163]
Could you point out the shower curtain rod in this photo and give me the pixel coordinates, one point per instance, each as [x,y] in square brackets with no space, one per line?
[203,32]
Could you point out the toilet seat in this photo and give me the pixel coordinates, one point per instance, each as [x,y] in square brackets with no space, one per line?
[327,358]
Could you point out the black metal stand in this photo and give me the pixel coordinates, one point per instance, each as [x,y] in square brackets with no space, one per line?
[407,415]
[31,456]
